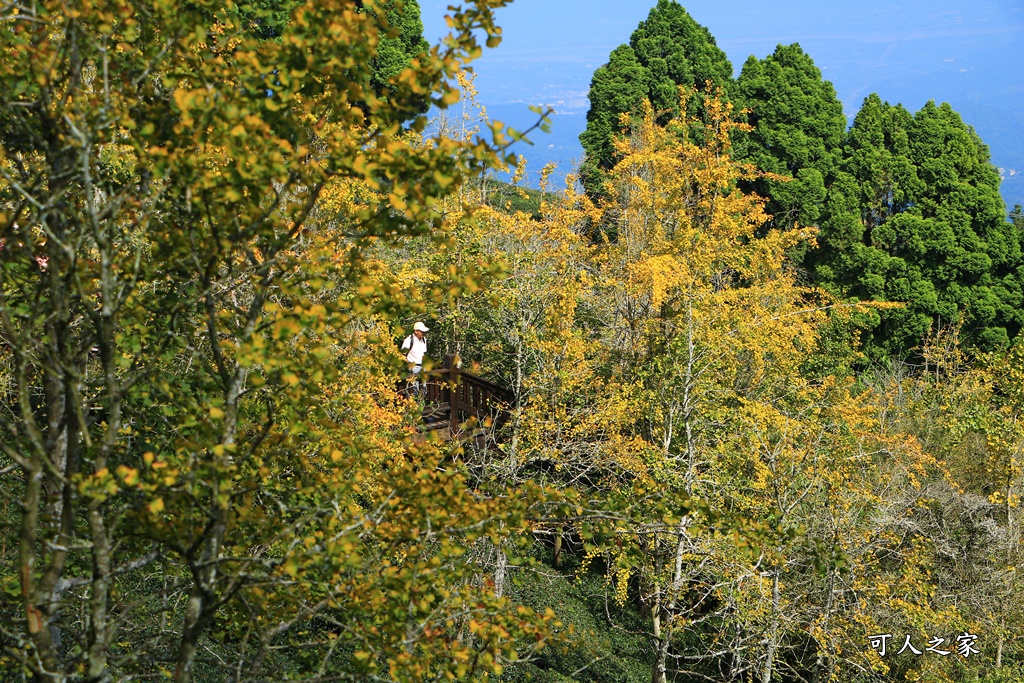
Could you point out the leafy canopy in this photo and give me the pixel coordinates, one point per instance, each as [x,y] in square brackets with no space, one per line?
[798,130]
[915,216]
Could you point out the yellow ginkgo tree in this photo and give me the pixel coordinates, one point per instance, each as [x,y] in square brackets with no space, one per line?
[710,323]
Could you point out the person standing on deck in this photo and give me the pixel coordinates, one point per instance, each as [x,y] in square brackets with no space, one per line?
[416,346]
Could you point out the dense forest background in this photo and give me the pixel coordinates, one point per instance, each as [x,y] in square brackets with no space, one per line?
[767,377]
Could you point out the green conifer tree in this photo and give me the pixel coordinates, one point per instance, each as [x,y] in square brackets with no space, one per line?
[402,43]
[667,50]
[915,216]
[798,128]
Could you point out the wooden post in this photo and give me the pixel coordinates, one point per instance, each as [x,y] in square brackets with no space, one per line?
[454,404]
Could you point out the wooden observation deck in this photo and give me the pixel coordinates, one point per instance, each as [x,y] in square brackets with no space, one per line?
[467,406]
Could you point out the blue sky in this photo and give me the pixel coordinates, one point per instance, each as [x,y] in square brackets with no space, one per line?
[970,54]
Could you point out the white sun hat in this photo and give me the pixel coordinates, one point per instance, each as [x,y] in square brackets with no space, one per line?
[420,327]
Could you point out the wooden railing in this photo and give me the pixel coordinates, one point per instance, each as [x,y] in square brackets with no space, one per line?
[452,397]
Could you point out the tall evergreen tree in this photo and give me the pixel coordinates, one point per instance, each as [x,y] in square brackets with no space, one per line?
[402,43]
[798,127]
[616,87]
[984,265]
[915,216]
[667,50]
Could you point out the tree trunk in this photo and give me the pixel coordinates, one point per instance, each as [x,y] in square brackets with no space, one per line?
[773,635]
[660,643]
[999,644]
[500,572]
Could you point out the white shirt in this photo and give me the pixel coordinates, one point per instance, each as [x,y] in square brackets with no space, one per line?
[417,349]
